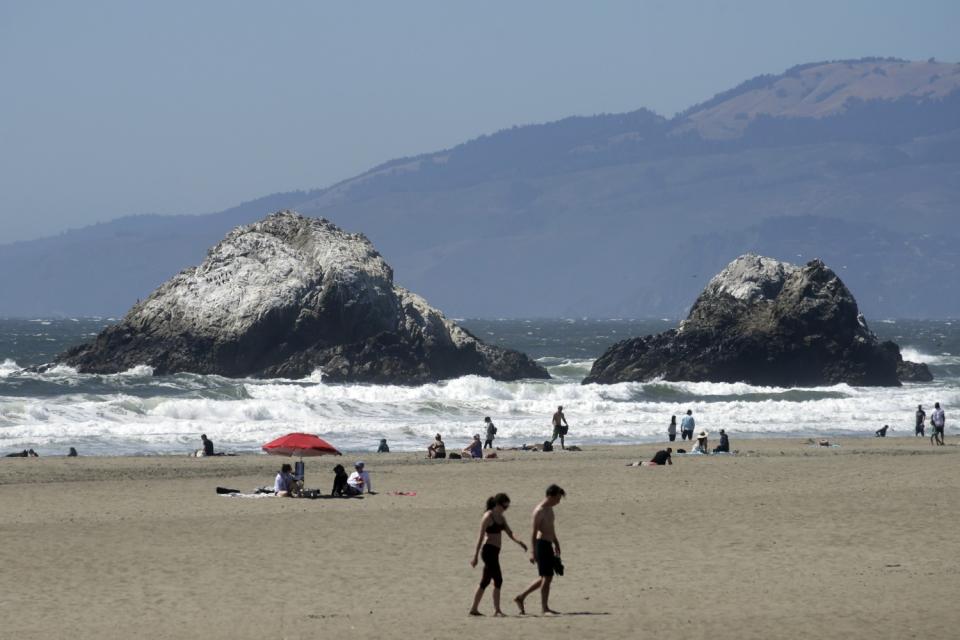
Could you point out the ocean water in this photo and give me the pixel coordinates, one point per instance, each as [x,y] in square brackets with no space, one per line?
[137,413]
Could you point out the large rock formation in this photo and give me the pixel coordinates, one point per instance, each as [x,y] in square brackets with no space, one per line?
[284,297]
[764,322]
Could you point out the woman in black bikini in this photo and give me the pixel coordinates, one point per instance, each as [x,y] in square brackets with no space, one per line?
[488,547]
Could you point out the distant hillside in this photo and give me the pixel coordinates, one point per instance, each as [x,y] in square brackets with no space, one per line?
[612,215]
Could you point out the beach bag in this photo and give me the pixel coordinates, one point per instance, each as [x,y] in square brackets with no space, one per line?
[547,445]
[454,456]
[563,430]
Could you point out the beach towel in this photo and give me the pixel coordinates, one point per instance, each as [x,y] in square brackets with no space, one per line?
[403,493]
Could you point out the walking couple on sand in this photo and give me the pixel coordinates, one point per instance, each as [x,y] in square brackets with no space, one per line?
[544,550]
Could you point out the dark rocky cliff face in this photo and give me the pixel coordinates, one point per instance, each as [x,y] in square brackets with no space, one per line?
[764,322]
[284,297]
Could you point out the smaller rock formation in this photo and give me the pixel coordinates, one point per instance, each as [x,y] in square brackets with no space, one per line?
[284,297]
[765,322]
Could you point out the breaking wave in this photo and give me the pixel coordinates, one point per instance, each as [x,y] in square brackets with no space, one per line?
[136,412]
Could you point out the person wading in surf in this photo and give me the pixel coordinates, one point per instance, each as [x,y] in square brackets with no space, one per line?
[560,427]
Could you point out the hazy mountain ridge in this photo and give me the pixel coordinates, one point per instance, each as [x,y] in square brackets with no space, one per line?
[611,215]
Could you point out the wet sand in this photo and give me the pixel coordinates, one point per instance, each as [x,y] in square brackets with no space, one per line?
[783,540]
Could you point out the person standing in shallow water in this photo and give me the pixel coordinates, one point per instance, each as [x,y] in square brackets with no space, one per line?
[672,429]
[544,548]
[687,425]
[938,421]
[921,417]
[488,548]
[560,427]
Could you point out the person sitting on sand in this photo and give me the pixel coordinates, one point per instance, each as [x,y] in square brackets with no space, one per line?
[384,447]
[72,453]
[724,446]
[882,431]
[475,448]
[339,481]
[437,449]
[662,457]
[359,480]
[207,445]
[285,485]
[701,445]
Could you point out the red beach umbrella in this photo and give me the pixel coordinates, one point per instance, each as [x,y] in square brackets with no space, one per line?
[300,444]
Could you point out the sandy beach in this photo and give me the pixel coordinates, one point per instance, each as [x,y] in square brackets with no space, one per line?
[783,540]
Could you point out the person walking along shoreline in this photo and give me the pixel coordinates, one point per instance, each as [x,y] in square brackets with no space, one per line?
[492,524]
[544,549]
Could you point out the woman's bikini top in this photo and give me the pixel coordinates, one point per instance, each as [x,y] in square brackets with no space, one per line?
[495,527]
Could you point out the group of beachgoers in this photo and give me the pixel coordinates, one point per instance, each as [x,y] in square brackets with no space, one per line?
[700,444]
[289,481]
[476,447]
[938,421]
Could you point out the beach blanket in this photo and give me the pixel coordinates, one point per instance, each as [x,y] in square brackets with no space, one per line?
[402,493]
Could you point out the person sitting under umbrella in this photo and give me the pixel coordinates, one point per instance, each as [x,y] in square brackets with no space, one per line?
[286,485]
[359,481]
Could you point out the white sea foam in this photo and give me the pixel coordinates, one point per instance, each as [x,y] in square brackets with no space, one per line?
[914,355]
[137,412]
[8,367]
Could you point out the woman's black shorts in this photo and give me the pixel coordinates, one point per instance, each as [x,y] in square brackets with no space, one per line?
[491,566]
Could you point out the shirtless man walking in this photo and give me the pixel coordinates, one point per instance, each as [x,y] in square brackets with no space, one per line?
[544,547]
[560,427]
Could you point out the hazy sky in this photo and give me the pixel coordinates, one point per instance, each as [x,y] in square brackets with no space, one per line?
[116,108]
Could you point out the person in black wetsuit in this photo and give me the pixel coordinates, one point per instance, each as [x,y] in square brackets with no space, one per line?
[488,548]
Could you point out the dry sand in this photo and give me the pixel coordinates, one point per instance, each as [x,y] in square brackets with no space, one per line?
[784,540]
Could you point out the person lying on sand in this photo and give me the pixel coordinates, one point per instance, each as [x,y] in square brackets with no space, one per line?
[660,458]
